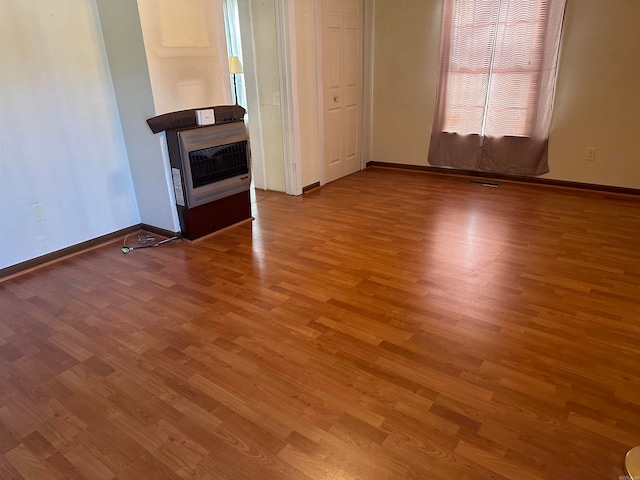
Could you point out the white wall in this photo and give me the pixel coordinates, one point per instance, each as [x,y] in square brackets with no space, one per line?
[306,70]
[122,34]
[61,142]
[597,100]
[186,53]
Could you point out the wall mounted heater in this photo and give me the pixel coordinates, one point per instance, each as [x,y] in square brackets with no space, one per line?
[211,170]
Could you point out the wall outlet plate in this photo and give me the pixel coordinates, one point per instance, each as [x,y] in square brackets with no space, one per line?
[205,117]
[38,212]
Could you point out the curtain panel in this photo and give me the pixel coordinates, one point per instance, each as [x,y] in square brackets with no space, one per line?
[498,61]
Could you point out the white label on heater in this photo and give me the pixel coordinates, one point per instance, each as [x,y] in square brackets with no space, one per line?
[177,186]
[205,117]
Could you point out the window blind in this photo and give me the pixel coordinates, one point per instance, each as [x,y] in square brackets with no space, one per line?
[497,75]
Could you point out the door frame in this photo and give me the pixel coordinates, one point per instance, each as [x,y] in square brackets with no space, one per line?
[286,64]
[287,69]
[254,124]
[368,18]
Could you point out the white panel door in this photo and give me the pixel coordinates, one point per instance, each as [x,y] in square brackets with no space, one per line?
[342,60]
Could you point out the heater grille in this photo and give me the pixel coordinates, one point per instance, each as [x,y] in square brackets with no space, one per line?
[217,163]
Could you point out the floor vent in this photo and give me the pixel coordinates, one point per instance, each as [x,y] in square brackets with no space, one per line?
[485,184]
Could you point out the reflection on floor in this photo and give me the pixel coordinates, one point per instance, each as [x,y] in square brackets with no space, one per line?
[258,194]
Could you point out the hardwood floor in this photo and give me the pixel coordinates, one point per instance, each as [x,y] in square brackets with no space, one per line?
[392,325]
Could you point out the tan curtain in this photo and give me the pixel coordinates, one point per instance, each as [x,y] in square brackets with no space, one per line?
[497,74]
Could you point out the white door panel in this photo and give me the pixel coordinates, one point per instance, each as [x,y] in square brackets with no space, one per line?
[333,7]
[342,61]
[335,134]
[352,139]
[352,9]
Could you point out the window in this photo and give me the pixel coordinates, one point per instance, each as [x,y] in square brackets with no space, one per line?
[497,73]
[234,45]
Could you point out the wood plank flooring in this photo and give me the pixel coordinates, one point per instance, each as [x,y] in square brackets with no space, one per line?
[392,325]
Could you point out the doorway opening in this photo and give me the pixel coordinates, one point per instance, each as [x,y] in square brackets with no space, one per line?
[254,33]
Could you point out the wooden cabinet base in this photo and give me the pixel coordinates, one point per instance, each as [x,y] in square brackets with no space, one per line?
[200,221]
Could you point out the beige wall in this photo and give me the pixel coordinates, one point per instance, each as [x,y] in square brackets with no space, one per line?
[405,79]
[597,99]
[598,94]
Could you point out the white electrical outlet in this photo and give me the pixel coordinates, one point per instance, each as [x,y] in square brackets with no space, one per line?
[38,212]
[591,154]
